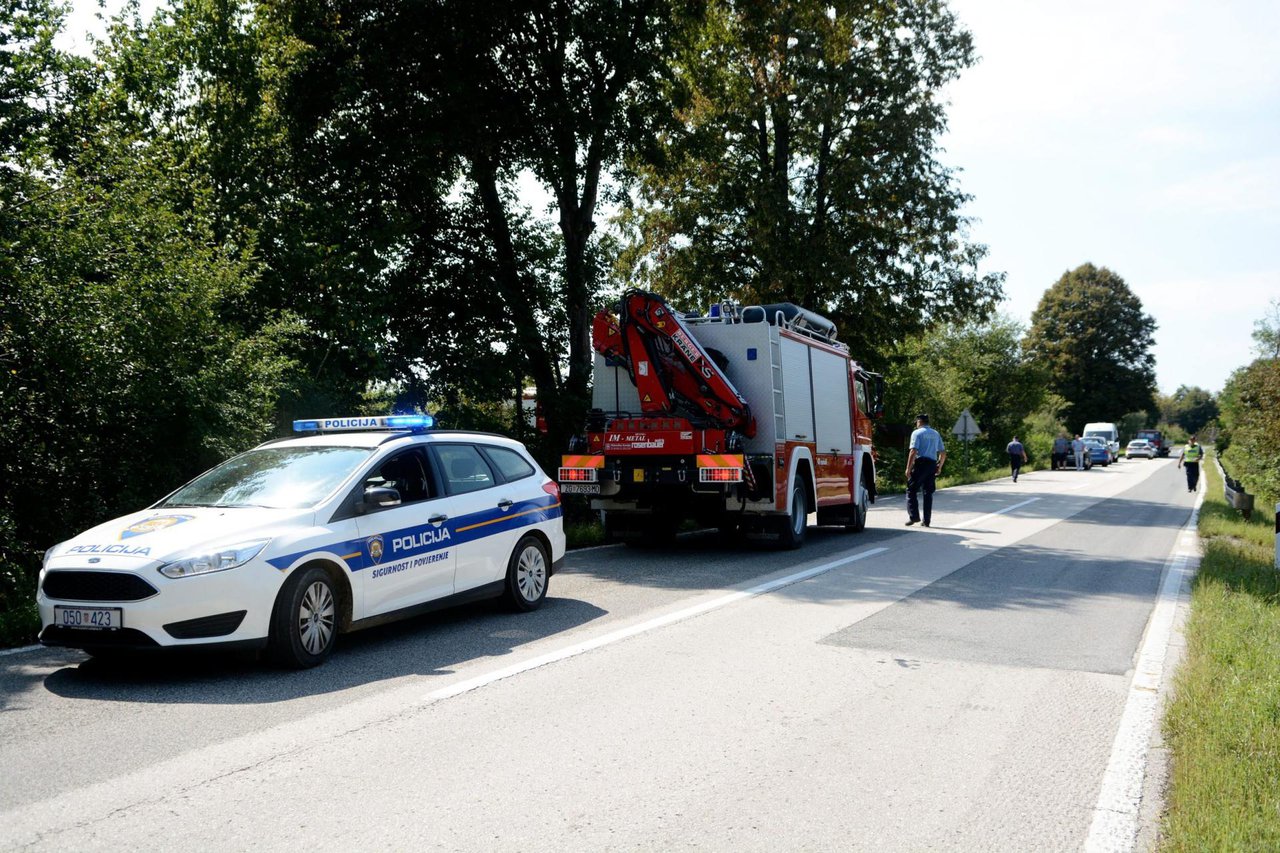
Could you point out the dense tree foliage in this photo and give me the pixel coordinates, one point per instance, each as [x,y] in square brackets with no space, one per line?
[976,366]
[1251,427]
[1190,407]
[424,117]
[1250,415]
[1090,336]
[125,366]
[801,166]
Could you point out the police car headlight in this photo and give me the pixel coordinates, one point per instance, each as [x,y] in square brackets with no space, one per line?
[214,561]
[47,555]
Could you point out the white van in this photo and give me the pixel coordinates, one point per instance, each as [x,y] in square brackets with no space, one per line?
[1108,433]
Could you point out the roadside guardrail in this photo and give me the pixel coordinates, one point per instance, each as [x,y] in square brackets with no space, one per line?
[1235,494]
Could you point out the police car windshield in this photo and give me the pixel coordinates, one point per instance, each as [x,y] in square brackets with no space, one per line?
[274,477]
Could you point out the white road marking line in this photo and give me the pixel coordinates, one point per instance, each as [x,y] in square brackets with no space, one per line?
[641,628]
[19,650]
[1115,817]
[1010,508]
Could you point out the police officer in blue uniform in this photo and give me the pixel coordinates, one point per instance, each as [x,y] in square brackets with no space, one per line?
[924,464]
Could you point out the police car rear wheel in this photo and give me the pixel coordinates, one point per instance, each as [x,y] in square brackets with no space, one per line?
[527,575]
[304,624]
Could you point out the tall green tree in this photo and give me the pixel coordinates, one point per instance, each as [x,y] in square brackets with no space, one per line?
[801,166]
[976,366]
[1190,407]
[1091,337]
[126,366]
[425,116]
[1266,332]
[1251,427]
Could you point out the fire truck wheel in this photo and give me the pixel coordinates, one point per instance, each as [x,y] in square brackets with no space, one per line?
[795,524]
[859,521]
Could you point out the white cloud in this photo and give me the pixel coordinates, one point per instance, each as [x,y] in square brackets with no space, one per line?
[1242,187]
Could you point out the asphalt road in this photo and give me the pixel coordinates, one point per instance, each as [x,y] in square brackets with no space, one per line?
[952,688]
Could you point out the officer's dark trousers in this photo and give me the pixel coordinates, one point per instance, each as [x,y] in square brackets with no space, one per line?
[1015,463]
[923,477]
[1193,473]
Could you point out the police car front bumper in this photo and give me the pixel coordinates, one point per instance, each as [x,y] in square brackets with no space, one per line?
[227,609]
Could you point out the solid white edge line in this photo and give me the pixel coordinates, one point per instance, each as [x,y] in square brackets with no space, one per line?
[576,649]
[1011,508]
[1118,810]
[19,650]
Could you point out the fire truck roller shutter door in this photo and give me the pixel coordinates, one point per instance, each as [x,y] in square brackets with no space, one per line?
[797,391]
[832,412]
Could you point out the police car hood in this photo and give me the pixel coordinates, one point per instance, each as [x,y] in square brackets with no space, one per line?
[165,534]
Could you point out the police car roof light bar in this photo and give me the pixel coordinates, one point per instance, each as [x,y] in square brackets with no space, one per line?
[397,422]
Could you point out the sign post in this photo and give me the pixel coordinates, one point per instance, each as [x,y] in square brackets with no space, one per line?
[966,429]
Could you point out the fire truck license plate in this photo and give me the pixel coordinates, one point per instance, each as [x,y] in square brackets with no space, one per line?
[580,488]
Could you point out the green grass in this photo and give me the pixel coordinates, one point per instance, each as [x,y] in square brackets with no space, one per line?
[583,534]
[1223,726]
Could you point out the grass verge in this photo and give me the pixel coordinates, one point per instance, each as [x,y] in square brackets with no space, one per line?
[1223,726]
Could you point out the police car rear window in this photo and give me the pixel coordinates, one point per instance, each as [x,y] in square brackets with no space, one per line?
[511,465]
[274,477]
[464,468]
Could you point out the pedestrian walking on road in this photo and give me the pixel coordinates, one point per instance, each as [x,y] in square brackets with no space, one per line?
[1077,447]
[1061,447]
[924,464]
[1190,459]
[1017,456]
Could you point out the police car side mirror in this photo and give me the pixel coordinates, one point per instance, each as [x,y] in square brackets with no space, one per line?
[378,497]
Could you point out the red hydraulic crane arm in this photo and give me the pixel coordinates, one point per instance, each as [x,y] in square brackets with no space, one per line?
[666,364]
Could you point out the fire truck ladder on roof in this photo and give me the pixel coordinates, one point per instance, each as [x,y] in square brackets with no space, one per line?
[779,399]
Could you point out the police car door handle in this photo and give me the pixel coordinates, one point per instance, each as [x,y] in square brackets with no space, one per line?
[505,503]
[438,519]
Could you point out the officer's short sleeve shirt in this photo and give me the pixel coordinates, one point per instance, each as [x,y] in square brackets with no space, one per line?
[927,443]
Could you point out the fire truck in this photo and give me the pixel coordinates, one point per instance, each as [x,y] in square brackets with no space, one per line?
[747,419]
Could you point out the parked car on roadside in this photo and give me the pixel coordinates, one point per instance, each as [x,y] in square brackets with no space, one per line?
[1156,439]
[352,522]
[1140,447]
[1107,432]
[1098,451]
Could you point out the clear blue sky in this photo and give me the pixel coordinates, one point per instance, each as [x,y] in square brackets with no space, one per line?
[1142,136]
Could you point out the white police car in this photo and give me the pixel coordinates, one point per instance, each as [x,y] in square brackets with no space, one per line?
[359,521]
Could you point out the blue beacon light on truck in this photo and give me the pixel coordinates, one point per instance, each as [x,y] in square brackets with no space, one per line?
[406,422]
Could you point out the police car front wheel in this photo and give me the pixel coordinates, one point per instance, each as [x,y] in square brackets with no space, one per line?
[527,574]
[304,623]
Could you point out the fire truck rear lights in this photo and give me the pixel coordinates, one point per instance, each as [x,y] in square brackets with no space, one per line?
[577,475]
[720,475]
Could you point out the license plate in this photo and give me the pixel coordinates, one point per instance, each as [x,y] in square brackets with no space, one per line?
[94,618]
[580,488]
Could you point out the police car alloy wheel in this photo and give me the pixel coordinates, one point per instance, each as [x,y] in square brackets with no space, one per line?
[527,574]
[304,626]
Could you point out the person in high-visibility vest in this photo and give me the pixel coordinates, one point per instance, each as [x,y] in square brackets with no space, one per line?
[1190,459]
